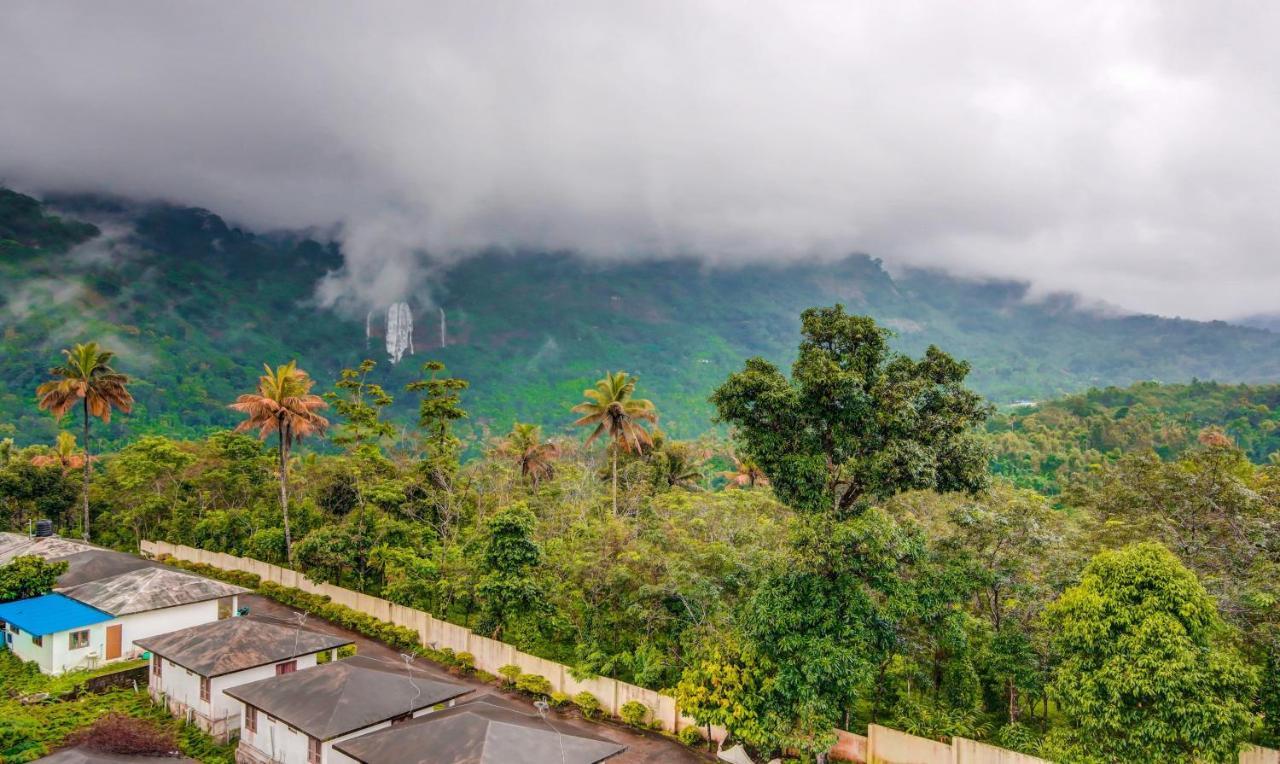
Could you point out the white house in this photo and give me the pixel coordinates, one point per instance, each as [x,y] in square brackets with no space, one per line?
[297,718]
[191,668]
[55,631]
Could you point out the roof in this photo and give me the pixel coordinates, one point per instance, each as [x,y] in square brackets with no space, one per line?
[48,547]
[235,644]
[96,564]
[145,589]
[487,730]
[81,755]
[344,696]
[50,614]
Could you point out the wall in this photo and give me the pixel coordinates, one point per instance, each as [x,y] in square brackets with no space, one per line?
[66,659]
[887,746]
[163,621]
[20,642]
[1258,755]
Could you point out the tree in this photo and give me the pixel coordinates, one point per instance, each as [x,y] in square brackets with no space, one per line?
[617,415]
[65,454]
[1147,672]
[507,589]
[856,422]
[283,404]
[534,457]
[745,474]
[87,378]
[720,688]
[437,411]
[29,576]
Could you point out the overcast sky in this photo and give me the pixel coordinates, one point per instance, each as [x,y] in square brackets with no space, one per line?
[1128,151]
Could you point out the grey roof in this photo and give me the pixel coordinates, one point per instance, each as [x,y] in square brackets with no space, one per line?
[486,730]
[81,755]
[48,547]
[235,644]
[96,564]
[145,589]
[344,696]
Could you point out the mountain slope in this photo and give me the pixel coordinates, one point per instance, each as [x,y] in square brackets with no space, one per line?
[194,307]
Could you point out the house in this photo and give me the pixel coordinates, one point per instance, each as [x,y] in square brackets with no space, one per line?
[190,668]
[486,730]
[55,631]
[297,718]
[14,545]
[153,600]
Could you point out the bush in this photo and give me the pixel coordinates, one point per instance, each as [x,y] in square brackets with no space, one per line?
[510,673]
[634,712]
[534,684]
[484,676]
[588,704]
[559,699]
[465,661]
[691,736]
[116,733]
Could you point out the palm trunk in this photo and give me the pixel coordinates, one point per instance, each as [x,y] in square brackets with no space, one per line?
[615,480]
[85,490]
[284,496]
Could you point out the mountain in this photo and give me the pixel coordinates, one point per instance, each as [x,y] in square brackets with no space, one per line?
[194,306]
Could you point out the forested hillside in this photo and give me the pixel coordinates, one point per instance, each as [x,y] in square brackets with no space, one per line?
[194,306]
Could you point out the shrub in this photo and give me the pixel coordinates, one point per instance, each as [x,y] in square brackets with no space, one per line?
[588,704]
[116,733]
[510,673]
[634,712]
[465,661]
[484,676]
[559,699]
[534,684]
[691,736]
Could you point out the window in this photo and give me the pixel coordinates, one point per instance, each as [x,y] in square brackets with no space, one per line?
[39,641]
[288,667]
[204,688]
[157,665]
[78,640]
[251,718]
[313,751]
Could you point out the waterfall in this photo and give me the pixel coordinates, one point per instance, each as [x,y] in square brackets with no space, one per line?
[399,331]
[443,336]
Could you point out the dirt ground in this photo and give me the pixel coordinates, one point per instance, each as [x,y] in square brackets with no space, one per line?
[641,748]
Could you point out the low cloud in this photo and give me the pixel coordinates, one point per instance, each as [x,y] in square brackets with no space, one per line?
[1122,150]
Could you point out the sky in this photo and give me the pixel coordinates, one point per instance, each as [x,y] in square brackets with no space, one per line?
[1125,151]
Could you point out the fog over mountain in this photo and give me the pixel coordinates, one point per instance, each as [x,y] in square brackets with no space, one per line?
[1126,151]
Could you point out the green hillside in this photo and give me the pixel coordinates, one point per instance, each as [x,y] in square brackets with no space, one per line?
[194,306]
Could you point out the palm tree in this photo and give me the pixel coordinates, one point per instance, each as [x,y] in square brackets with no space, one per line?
[86,377]
[65,454]
[610,407]
[283,404]
[534,457]
[745,474]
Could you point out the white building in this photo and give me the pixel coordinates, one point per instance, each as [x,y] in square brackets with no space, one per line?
[296,718]
[191,668]
[55,632]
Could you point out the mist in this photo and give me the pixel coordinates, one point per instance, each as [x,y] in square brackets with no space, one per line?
[1125,151]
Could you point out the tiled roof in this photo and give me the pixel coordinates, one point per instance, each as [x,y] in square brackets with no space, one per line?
[235,644]
[50,614]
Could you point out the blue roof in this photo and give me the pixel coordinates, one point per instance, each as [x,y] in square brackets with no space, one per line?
[50,614]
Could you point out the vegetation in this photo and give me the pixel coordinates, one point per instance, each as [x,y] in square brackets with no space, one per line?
[27,577]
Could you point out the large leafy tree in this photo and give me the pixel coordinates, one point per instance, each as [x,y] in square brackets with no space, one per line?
[86,379]
[283,404]
[507,588]
[29,576]
[1146,671]
[611,408]
[856,421]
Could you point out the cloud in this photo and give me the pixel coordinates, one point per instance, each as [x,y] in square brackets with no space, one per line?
[1124,150]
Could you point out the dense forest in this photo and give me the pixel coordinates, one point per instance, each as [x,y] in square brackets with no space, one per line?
[192,303]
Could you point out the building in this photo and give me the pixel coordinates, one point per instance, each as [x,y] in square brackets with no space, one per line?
[297,718]
[191,668]
[486,730]
[57,632]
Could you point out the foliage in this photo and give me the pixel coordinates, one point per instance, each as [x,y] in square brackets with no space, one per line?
[119,734]
[856,422]
[559,699]
[29,576]
[510,673]
[692,737]
[635,713]
[588,704]
[533,684]
[1145,673]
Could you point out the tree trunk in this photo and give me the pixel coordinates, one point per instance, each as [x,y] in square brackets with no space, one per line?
[615,480]
[85,490]
[284,496]
[1013,703]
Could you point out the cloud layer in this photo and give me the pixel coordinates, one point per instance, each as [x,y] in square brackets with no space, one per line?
[1125,150]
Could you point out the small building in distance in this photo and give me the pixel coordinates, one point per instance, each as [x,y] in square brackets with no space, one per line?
[191,668]
[54,631]
[486,730]
[297,718]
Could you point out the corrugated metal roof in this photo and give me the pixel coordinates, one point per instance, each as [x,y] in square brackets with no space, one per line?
[236,644]
[139,591]
[487,730]
[347,695]
[50,614]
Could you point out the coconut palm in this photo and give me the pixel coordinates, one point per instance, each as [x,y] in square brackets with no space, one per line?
[65,454]
[87,379]
[524,446]
[745,474]
[283,404]
[615,414]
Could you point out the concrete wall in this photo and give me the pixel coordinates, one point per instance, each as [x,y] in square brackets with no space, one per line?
[849,747]
[1255,754]
[973,752]
[888,746]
